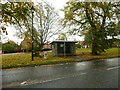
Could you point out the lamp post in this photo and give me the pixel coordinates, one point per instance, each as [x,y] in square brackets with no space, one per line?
[32,10]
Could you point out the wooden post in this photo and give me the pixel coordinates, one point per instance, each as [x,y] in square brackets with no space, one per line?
[64,49]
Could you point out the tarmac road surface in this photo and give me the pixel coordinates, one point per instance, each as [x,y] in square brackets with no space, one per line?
[89,74]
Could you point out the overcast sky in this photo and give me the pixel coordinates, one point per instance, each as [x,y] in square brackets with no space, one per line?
[57,4]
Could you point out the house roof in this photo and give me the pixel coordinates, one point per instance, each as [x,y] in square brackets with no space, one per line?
[59,41]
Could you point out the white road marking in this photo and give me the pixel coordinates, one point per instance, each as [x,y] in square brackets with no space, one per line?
[80,64]
[61,64]
[45,81]
[25,82]
[83,73]
[113,68]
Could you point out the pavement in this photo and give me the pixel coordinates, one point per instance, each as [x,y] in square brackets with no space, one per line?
[89,74]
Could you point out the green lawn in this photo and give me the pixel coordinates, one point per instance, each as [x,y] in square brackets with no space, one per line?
[24,59]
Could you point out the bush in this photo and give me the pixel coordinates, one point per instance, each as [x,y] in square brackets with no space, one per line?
[78,45]
[9,48]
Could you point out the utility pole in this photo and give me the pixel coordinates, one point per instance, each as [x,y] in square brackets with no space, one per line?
[32,10]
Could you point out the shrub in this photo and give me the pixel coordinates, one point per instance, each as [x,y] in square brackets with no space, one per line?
[9,48]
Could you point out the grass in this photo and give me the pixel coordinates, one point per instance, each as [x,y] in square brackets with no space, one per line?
[24,59]
[86,53]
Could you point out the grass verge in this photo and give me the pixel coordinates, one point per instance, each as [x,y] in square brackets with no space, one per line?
[24,59]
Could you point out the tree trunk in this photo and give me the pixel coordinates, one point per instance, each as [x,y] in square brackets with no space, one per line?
[94,50]
[94,47]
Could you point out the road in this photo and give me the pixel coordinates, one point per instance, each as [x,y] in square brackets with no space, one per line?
[89,74]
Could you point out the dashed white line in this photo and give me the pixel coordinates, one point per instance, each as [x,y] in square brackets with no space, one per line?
[113,68]
[37,81]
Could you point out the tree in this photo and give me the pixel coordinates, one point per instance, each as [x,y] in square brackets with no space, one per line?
[27,42]
[19,15]
[9,47]
[15,13]
[62,36]
[93,18]
[46,23]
